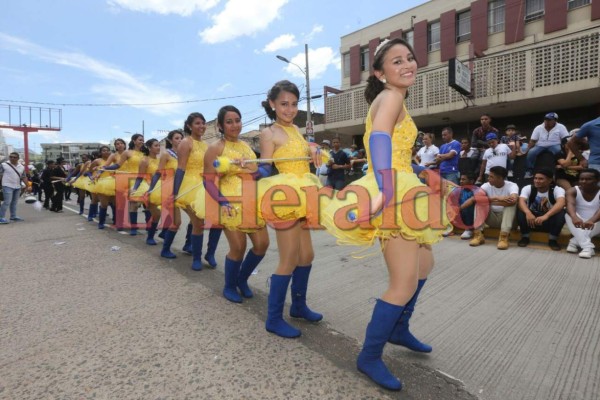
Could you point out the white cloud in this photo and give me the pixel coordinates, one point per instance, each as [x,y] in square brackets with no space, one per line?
[284,41]
[120,86]
[184,8]
[316,29]
[224,87]
[241,18]
[318,61]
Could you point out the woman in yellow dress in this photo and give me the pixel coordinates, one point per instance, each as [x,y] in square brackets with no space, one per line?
[237,267]
[188,182]
[129,163]
[283,140]
[167,165]
[148,166]
[406,239]
[77,180]
[102,200]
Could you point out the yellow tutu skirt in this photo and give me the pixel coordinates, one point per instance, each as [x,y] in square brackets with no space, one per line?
[188,191]
[105,186]
[156,195]
[141,190]
[84,183]
[418,212]
[287,187]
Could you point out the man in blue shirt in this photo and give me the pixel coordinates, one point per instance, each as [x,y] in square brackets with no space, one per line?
[338,164]
[447,158]
[591,131]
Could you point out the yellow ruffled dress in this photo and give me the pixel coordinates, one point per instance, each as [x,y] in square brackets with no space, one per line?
[409,214]
[156,194]
[292,175]
[105,184]
[192,180]
[83,182]
[132,166]
[150,170]
[230,185]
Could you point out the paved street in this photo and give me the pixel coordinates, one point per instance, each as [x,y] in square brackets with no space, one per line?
[79,320]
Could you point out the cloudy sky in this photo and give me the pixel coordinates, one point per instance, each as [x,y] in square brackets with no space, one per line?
[158,60]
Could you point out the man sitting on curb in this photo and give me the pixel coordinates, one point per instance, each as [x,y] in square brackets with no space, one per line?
[541,207]
[583,213]
[502,195]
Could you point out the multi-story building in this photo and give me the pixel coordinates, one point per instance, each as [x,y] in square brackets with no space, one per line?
[525,58]
[71,152]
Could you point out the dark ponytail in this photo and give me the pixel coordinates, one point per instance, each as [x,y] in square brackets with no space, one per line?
[281,86]
[133,139]
[170,136]
[190,120]
[147,145]
[374,87]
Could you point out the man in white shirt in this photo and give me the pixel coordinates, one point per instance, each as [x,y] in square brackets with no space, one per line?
[541,208]
[502,195]
[12,174]
[583,213]
[496,155]
[426,154]
[546,137]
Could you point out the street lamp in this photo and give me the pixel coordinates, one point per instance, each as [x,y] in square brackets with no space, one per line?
[309,124]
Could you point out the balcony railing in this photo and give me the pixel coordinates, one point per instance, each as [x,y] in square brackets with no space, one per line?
[560,67]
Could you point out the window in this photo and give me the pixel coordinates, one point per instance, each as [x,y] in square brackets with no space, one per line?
[433,36]
[346,64]
[495,16]
[577,3]
[463,26]
[534,10]
[364,59]
[409,37]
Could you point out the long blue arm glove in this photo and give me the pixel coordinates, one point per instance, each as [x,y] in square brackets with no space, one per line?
[113,167]
[138,182]
[264,170]
[215,193]
[154,181]
[380,146]
[417,169]
[179,173]
[88,174]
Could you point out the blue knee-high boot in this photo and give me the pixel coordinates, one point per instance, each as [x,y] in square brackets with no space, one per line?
[114,213]
[133,222]
[275,322]
[401,335]
[369,362]
[213,240]
[197,251]
[151,231]
[166,249]
[161,234]
[92,212]
[187,247]
[299,309]
[248,265]
[81,206]
[232,270]
[147,216]
[102,217]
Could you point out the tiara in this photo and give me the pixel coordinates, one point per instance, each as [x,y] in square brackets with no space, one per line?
[380,46]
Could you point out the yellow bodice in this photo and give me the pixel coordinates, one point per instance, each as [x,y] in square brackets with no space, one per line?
[295,146]
[195,163]
[133,162]
[152,166]
[236,151]
[403,139]
[172,163]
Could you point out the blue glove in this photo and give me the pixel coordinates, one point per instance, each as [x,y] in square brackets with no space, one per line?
[215,193]
[113,167]
[138,182]
[179,173]
[380,147]
[154,181]
[417,169]
[88,174]
[264,170]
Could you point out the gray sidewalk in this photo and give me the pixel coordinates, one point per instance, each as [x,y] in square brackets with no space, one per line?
[80,321]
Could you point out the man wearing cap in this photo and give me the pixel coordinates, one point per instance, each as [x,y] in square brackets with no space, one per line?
[323,170]
[546,137]
[496,155]
[591,131]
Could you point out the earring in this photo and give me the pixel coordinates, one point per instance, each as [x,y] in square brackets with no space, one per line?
[383,80]
[273,109]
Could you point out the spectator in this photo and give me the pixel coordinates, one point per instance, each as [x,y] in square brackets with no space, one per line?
[426,154]
[479,134]
[591,131]
[447,158]
[541,207]
[546,137]
[468,161]
[12,174]
[356,165]
[47,183]
[583,213]
[567,165]
[59,174]
[353,151]
[466,204]
[502,196]
[513,139]
[338,164]
[496,155]
[323,170]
